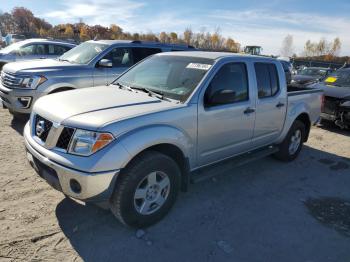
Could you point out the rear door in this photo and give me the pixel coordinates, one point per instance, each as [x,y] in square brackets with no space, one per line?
[226,128]
[271,103]
[140,53]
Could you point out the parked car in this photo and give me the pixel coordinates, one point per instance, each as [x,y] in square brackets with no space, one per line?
[309,75]
[135,143]
[13,38]
[33,49]
[336,101]
[287,68]
[92,63]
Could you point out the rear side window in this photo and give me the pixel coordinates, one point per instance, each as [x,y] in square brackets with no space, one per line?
[140,53]
[267,79]
[33,49]
[57,49]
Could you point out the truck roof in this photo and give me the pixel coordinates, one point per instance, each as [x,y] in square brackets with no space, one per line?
[136,42]
[216,55]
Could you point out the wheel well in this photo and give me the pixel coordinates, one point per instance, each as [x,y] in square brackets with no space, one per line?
[304,118]
[61,89]
[177,155]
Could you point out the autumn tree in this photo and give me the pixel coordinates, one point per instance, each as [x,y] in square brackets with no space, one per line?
[164,38]
[116,31]
[173,37]
[188,34]
[84,36]
[68,32]
[287,48]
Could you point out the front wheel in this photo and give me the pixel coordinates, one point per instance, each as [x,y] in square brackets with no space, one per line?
[146,190]
[290,148]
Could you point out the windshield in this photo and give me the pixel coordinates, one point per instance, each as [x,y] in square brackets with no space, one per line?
[339,78]
[313,72]
[83,53]
[173,76]
[12,47]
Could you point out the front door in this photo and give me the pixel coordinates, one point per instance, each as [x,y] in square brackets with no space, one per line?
[121,59]
[226,116]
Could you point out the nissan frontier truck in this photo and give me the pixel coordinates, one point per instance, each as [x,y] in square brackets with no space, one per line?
[165,122]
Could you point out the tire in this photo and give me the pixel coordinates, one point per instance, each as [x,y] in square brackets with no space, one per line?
[143,210]
[287,152]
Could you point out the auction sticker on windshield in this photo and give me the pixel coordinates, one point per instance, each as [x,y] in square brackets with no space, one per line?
[98,49]
[198,66]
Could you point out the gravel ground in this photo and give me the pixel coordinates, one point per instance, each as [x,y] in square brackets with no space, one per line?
[266,211]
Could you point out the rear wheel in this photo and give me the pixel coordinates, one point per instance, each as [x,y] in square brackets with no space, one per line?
[147,190]
[290,148]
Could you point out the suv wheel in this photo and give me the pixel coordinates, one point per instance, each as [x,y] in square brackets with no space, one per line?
[147,190]
[290,148]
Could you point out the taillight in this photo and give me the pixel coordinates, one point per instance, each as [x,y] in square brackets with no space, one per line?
[322,102]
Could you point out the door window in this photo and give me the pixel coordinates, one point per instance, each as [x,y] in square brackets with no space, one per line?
[34,49]
[57,49]
[120,57]
[229,85]
[267,79]
[140,53]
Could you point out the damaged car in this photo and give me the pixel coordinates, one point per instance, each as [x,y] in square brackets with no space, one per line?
[336,99]
[309,75]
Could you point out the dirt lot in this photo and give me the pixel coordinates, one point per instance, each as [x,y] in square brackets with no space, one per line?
[266,211]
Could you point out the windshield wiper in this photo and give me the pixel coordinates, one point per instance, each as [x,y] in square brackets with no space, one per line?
[123,86]
[155,93]
[64,60]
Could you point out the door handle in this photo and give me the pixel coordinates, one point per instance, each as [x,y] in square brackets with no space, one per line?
[279,105]
[249,110]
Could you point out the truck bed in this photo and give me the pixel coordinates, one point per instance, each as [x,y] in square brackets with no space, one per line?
[292,91]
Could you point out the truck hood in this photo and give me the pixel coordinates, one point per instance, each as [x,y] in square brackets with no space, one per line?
[37,66]
[92,108]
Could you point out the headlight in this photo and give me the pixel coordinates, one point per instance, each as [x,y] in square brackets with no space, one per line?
[293,81]
[85,142]
[32,82]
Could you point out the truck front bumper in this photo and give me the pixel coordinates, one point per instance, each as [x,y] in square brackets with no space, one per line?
[18,100]
[85,186]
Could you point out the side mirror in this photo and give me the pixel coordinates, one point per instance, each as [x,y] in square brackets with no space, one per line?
[220,97]
[105,63]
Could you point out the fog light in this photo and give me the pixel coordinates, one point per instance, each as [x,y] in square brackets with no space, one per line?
[75,186]
[25,101]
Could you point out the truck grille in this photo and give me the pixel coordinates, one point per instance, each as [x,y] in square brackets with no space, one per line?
[42,127]
[65,137]
[10,80]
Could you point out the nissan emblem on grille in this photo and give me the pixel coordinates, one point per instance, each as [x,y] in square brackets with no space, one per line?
[40,128]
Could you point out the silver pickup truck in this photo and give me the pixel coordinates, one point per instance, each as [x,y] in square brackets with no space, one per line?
[165,122]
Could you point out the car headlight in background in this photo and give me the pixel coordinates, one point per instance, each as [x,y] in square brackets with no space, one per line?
[32,82]
[85,142]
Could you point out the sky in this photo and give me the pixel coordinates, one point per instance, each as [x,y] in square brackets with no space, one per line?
[250,22]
